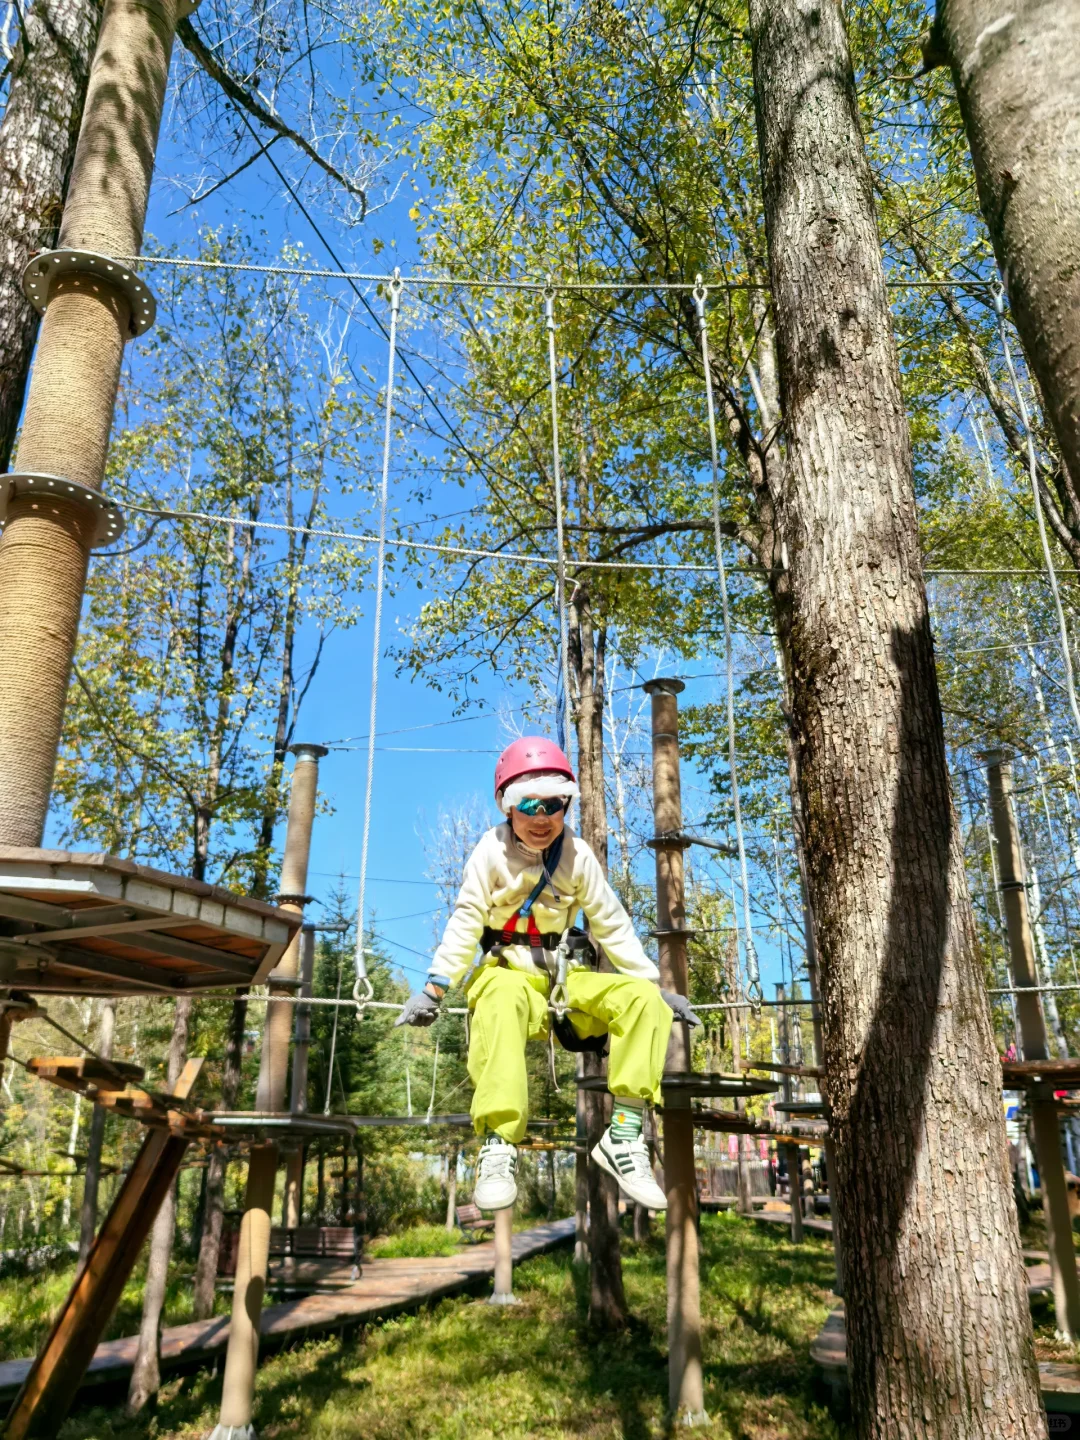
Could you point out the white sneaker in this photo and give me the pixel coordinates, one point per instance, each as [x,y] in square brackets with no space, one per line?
[496,1187]
[628,1161]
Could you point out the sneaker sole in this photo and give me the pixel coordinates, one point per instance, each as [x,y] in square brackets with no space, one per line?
[600,1155]
[503,1205]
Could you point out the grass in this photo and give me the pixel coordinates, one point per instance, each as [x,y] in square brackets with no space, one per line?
[418,1243]
[29,1302]
[466,1371]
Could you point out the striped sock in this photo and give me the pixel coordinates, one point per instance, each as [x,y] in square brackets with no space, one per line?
[626,1118]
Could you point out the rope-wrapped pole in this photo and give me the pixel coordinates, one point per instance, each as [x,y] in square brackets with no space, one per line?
[45,545]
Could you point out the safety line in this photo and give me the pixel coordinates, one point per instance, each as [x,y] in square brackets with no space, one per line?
[538,287]
[362,981]
[998,296]
[562,712]
[753,975]
[512,556]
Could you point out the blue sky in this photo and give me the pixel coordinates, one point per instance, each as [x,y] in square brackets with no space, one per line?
[418,770]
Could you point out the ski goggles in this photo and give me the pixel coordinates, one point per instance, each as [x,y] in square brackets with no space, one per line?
[533,806]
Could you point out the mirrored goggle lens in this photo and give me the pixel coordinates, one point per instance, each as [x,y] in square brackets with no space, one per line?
[541,807]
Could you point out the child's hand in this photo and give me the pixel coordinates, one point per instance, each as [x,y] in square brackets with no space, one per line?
[681,1006]
[422,1009]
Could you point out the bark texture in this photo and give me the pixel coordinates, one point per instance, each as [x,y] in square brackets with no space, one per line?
[607,1297]
[146,1372]
[46,89]
[88,1211]
[214,1199]
[1016,67]
[939,1331]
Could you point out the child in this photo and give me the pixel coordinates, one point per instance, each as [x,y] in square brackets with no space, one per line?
[528,878]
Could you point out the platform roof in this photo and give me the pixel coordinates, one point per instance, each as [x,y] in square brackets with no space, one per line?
[76,923]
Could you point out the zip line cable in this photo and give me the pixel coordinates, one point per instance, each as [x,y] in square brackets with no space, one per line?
[461,282]
[753,975]
[562,708]
[509,556]
[998,296]
[362,981]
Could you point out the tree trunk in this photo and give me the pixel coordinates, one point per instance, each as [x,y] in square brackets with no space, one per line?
[146,1372]
[607,1299]
[46,90]
[937,1315]
[89,1210]
[214,1207]
[1017,74]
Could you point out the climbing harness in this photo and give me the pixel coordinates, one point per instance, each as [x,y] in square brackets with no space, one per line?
[753,976]
[362,990]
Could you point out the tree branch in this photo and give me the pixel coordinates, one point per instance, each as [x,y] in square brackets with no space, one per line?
[201,52]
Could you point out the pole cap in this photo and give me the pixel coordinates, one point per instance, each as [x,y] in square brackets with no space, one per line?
[670,685]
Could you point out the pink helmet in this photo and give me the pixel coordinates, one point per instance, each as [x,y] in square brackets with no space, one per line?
[526,757]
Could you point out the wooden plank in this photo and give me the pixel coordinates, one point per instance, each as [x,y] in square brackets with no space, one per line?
[104,1074]
[54,1377]
[1019,1071]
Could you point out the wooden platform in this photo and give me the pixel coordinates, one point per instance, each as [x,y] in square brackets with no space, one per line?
[387,1287]
[1060,1384]
[79,923]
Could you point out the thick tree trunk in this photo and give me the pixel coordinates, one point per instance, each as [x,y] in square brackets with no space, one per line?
[89,1210]
[214,1207]
[46,89]
[607,1299]
[939,1331]
[146,1372]
[1017,72]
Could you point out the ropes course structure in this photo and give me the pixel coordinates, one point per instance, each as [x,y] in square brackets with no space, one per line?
[118,1088]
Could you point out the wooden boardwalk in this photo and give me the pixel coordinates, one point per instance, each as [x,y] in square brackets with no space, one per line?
[386,1287]
[1060,1384]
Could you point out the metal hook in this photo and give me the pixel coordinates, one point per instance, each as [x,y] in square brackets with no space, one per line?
[549,305]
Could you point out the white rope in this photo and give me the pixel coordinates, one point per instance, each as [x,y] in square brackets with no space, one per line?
[362,989]
[459,282]
[998,294]
[753,975]
[560,559]
[509,556]
[434,1077]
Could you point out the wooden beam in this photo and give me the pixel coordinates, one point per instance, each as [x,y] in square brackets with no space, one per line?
[133,926]
[55,1376]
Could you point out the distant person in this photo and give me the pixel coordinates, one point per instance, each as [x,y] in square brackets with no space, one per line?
[523,886]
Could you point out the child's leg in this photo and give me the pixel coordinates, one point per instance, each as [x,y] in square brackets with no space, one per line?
[508,1008]
[638,1020]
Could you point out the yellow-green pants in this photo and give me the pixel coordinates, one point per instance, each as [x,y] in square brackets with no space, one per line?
[509,1007]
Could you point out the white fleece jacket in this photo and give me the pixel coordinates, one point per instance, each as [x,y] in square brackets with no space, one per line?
[500,876]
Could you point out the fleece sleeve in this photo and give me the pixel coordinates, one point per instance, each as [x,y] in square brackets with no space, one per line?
[466,925]
[609,922]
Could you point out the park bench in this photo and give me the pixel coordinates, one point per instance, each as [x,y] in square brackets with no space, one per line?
[338,1244]
[471,1221]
